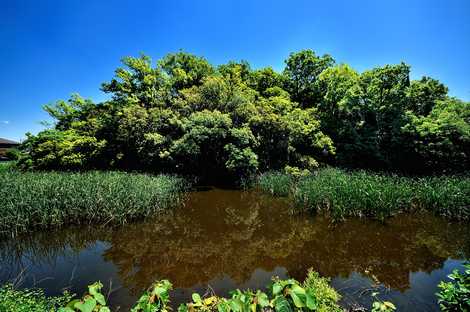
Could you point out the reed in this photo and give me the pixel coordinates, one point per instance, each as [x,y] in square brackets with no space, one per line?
[344,194]
[40,200]
[276,183]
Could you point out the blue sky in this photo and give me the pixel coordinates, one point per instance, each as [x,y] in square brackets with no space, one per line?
[50,49]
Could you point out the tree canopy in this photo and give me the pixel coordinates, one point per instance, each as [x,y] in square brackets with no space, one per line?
[228,122]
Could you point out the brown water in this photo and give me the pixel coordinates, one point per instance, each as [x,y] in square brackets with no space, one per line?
[233,239]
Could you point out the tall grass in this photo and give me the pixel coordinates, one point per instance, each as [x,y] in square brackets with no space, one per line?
[276,183]
[343,194]
[32,200]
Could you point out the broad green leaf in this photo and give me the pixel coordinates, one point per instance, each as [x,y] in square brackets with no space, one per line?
[183,308]
[277,288]
[95,288]
[297,301]
[263,299]
[281,304]
[221,307]
[311,299]
[196,298]
[298,290]
[236,305]
[86,306]
[72,303]
[100,299]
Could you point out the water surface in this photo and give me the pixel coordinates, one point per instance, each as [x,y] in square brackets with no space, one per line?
[225,239]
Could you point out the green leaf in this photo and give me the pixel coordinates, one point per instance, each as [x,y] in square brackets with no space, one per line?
[72,303]
[311,299]
[196,298]
[297,301]
[100,299]
[95,288]
[262,298]
[297,289]
[236,305]
[183,308]
[86,306]
[281,304]
[221,307]
[277,288]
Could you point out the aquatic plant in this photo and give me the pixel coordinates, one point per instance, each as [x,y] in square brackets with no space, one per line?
[40,200]
[361,193]
[455,294]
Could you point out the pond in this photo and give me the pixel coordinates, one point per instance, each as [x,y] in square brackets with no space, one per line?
[225,239]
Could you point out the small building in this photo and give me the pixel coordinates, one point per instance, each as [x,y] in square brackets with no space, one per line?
[5,145]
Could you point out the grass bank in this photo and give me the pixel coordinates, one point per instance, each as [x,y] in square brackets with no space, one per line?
[40,200]
[344,194]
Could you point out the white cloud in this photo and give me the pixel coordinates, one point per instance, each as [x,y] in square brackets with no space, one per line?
[5,122]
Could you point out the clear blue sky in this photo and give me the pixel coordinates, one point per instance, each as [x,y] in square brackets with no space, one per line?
[50,49]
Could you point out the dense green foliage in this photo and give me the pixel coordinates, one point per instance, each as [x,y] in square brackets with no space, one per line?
[315,294]
[360,193]
[29,300]
[33,200]
[455,294]
[228,122]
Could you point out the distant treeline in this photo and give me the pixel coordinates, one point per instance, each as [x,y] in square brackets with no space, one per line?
[184,115]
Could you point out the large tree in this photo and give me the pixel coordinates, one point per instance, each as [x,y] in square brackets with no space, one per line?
[183,115]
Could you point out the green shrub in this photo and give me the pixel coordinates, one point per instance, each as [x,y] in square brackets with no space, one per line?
[29,300]
[455,295]
[39,200]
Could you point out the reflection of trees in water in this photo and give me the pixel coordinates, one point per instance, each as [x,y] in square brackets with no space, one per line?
[46,247]
[232,233]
